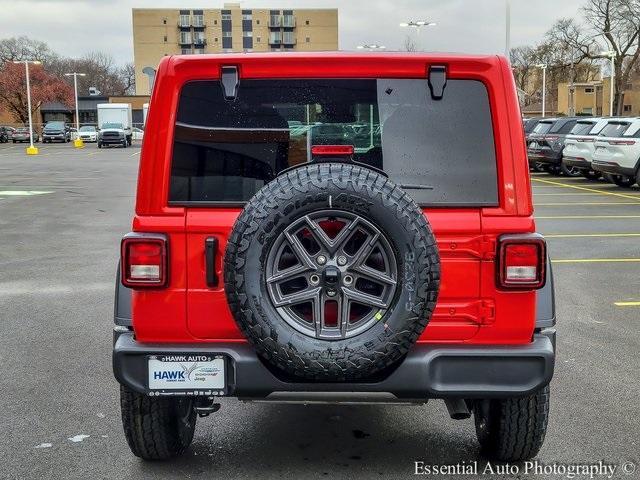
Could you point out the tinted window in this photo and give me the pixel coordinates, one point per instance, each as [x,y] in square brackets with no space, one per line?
[565,127]
[614,129]
[530,124]
[542,127]
[582,128]
[227,150]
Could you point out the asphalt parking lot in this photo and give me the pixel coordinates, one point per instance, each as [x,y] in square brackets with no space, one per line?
[62,214]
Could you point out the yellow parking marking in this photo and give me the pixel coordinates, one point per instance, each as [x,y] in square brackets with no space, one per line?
[134,154]
[586,189]
[597,260]
[564,204]
[627,304]
[589,235]
[92,153]
[583,217]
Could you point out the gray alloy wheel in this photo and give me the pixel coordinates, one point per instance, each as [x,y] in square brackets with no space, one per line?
[330,273]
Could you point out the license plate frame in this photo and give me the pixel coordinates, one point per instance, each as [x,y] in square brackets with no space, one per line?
[187,374]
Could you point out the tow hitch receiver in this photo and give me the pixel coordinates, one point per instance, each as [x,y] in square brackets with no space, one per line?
[206,406]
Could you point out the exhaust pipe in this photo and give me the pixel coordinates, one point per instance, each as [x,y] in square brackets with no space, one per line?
[457,408]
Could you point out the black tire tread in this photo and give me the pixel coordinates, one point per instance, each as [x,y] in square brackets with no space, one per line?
[335,365]
[151,427]
[517,427]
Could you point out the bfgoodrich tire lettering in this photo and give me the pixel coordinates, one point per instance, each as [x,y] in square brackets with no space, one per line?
[344,188]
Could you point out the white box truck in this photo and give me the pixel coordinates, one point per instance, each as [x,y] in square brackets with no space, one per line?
[114,124]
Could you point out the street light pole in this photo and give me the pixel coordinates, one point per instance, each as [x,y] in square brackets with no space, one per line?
[613,77]
[507,42]
[543,66]
[78,141]
[31,149]
[611,54]
[418,24]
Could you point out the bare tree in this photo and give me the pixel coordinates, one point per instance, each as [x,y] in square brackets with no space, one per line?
[24,48]
[409,44]
[609,25]
[128,77]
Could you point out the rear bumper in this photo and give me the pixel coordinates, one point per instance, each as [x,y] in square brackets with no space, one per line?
[576,162]
[428,371]
[546,155]
[613,168]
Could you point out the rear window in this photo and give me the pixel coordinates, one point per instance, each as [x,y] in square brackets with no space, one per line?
[542,127]
[614,129]
[564,127]
[441,152]
[582,128]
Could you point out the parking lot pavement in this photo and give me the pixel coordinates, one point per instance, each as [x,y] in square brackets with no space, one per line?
[59,402]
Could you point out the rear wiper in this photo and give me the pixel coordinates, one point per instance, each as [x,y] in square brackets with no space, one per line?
[410,186]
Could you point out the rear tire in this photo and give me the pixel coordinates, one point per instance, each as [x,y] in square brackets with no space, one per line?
[551,169]
[591,175]
[99,145]
[512,429]
[157,428]
[570,171]
[621,180]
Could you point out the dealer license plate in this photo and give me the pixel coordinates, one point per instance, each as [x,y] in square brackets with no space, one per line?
[186,372]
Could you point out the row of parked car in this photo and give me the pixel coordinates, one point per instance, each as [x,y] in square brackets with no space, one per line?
[56,132]
[595,147]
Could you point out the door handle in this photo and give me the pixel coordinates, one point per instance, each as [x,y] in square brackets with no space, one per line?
[211,251]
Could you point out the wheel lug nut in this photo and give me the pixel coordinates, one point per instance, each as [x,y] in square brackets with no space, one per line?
[348,279]
[331,293]
[314,279]
[321,259]
[342,261]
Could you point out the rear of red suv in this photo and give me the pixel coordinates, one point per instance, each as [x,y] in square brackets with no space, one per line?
[334,227]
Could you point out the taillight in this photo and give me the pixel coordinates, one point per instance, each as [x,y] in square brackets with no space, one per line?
[521,261]
[144,260]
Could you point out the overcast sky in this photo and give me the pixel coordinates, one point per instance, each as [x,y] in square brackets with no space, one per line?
[73,27]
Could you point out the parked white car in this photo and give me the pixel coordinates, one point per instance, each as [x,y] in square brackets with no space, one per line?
[617,152]
[88,133]
[579,145]
[137,133]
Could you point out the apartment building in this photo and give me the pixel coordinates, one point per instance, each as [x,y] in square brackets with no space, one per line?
[592,98]
[160,32]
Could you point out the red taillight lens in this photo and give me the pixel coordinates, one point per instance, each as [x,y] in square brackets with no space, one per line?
[144,260]
[332,150]
[521,261]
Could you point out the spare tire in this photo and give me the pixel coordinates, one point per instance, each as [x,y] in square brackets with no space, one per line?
[332,272]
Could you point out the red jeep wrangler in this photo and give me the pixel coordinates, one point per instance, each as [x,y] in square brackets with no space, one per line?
[334,227]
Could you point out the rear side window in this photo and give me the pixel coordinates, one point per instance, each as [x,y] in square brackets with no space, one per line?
[441,152]
[581,128]
[615,129]
[566,127]
[542,127]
